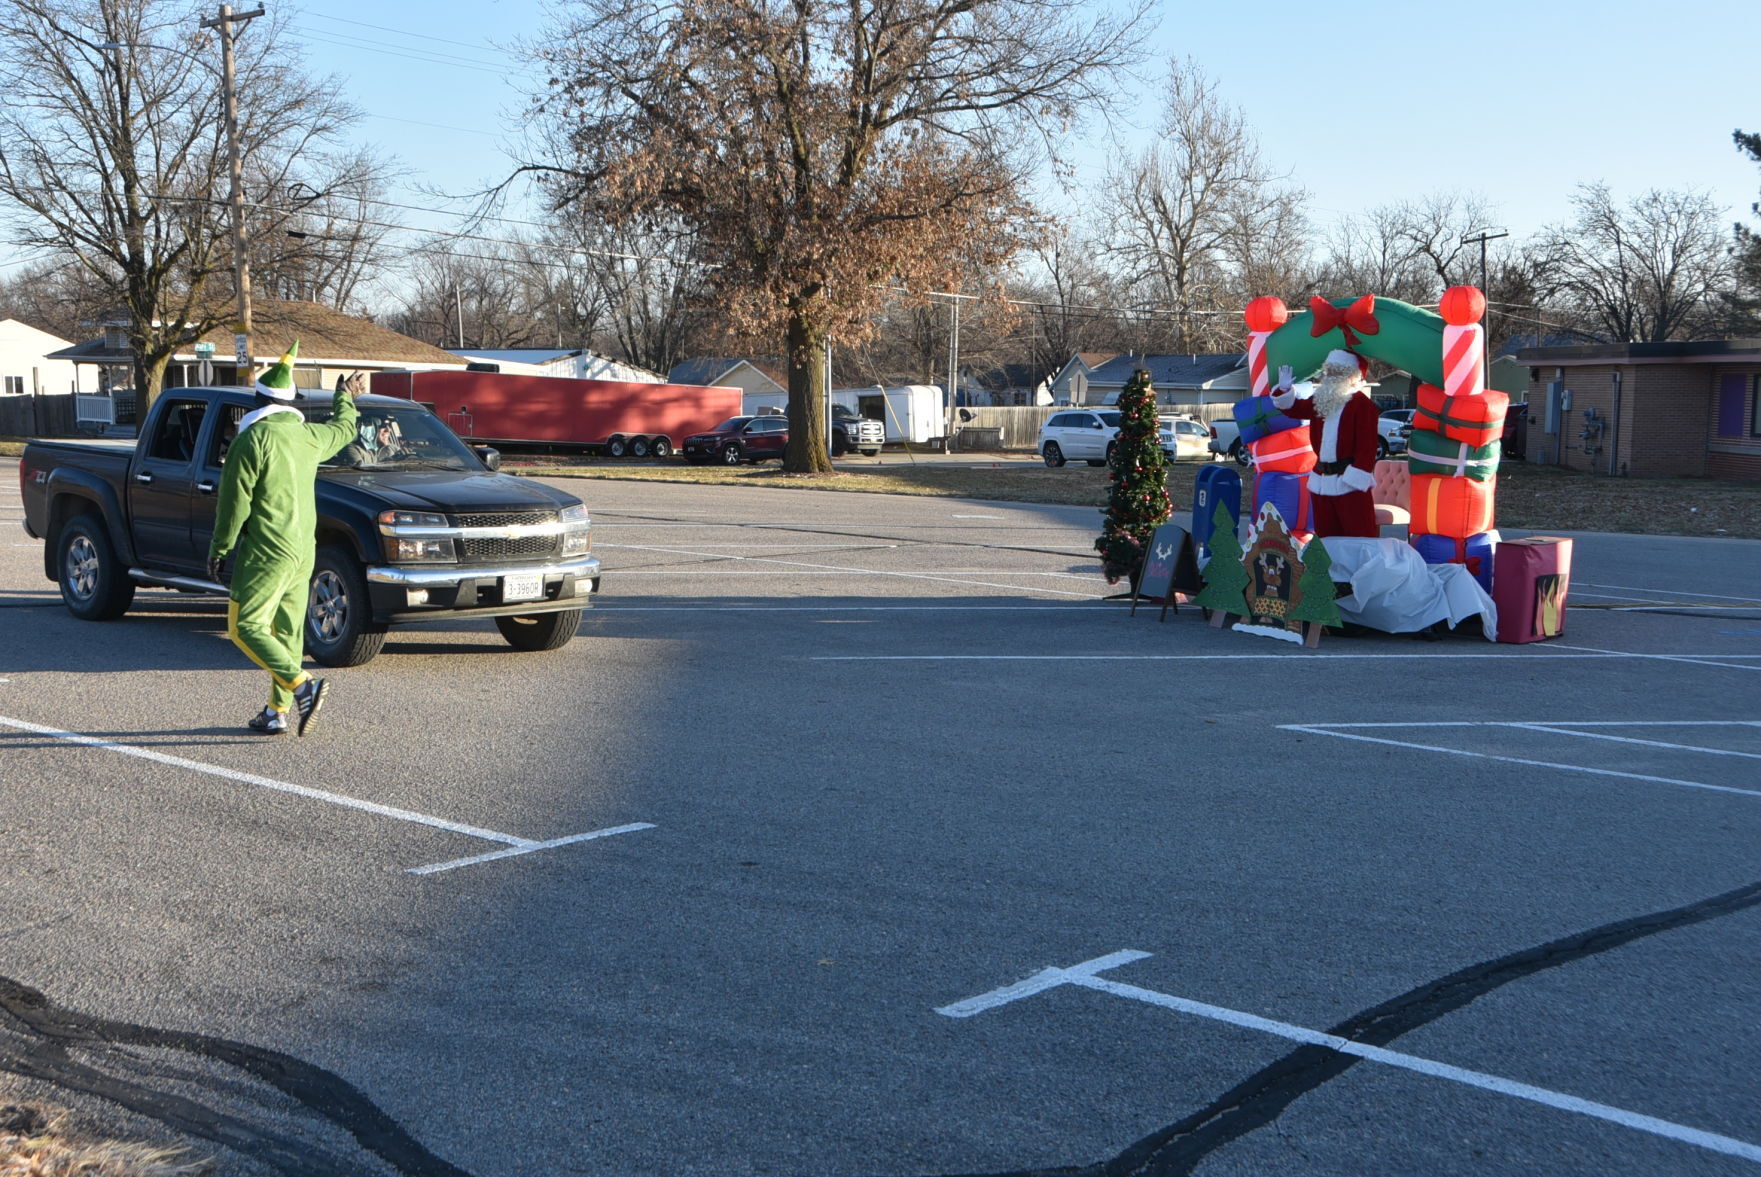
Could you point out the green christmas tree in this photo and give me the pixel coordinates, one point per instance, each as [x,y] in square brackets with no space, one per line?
[1138,502]
[1316,587]
[1226,579]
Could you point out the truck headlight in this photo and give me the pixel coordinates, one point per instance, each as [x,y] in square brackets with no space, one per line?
[577,538]
[405,542]
[409,551]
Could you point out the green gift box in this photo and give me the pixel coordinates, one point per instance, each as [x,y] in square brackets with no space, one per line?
[1432,453]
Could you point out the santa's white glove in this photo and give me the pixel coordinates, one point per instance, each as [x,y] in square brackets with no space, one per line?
[1285,377]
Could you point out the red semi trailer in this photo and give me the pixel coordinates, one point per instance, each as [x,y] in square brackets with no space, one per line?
[604,416]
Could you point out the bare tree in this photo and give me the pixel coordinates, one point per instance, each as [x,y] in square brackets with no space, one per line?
[1657,268]
[823,153]
[1199,219]
[56,295]
[331,239]
[115,157]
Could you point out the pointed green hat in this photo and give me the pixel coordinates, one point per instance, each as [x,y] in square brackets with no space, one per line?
[277,383]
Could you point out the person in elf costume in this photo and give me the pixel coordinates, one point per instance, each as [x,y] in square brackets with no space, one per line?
[1342,428]
[268,509]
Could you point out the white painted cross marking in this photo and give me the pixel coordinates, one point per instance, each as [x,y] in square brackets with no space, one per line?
[517,845]
[1086,976]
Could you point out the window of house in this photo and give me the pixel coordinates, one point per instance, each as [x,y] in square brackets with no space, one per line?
[175,440]
[15,386]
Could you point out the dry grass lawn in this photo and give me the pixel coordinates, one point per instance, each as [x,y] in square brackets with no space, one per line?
[38,1142]
[1530,498]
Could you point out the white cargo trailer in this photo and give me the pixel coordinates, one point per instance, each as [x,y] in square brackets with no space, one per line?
[911,412]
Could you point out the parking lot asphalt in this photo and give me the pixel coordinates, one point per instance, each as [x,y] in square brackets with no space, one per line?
[912,855]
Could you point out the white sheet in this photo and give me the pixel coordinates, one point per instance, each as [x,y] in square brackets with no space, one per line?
[1394,590]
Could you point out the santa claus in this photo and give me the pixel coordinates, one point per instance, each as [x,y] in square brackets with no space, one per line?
[1343,431]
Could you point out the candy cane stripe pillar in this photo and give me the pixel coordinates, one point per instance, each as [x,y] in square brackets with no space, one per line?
[1464,372]
[1264,316]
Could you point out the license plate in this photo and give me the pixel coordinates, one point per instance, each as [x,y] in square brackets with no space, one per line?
[526,586]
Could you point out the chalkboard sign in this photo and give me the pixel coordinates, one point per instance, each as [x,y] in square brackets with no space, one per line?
[1171,566]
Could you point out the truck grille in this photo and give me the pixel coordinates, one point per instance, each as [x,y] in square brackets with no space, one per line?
[531,545]
[508,519]
[490,549]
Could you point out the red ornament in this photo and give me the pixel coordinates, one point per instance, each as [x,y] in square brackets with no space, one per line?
[1462,306]
[1266,314]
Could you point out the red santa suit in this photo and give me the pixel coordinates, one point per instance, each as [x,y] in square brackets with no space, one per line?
[1344,443]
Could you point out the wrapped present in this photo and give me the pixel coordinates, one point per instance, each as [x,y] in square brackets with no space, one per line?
[1477,420]
[1289,493]
[1533,575]
[1433,453]
[1457,507]
[1256,418]
[1285,453]
[1475,553]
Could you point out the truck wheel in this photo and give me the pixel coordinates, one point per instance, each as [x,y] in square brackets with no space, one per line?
[1242,455]
[840,444]
[339,612]
[546,631]
[93,581]
[1381,448]
[661,448]
[617,447]
[638,447]
[1053,455]
[869,453]
[731,455]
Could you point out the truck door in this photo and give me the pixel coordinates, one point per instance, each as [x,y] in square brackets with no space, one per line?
[207,488]
[161,483]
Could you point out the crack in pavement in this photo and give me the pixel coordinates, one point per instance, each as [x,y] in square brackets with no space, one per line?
[1262,1097]
[51,1034]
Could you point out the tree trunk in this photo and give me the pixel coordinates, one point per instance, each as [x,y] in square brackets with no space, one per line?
[807,452]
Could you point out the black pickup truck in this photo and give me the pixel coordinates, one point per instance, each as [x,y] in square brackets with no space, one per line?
[422,528]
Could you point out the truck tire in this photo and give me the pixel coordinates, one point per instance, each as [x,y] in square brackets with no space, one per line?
[731,454]
[339,612]
[93,581]
[840,443]
[661,448]
[1242,455]
[638,447]
[617,447]
[869,453]
[544,631]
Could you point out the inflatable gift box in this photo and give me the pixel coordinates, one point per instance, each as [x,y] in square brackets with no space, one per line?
[1257,418]
[1456,507]
[1433,453]
[1475,552]
[1284,453]
[1532,576]
[1289,493]
[1477,420]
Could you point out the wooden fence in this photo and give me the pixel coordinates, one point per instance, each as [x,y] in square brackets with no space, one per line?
[37,415]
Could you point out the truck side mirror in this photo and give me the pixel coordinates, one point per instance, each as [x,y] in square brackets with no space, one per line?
[491,457]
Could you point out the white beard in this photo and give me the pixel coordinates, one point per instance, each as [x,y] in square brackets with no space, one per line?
[1333,390]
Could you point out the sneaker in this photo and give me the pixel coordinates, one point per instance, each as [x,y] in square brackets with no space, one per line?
[308,697]
[269,722]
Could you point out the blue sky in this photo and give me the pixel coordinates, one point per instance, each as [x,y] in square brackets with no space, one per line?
[1364,104]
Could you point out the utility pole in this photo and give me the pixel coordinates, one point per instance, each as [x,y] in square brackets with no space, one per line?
[241,262]
[1484,236]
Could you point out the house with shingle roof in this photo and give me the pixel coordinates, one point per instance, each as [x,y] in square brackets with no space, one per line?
[332,344]
[1069,384]
[1183,381]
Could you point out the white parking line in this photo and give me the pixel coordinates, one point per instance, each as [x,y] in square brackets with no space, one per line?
[1086,976]
[1293,656]
[517,845]
[1690,659]
[1334,730]
[832,568]
[1660,592]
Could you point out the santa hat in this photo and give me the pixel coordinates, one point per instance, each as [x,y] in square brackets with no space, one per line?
[277,383]
[1340,358]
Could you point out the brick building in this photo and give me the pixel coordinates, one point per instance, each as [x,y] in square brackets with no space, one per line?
[1647,410]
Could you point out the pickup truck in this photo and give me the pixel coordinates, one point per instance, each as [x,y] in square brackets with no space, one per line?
[851,432]
[427,532]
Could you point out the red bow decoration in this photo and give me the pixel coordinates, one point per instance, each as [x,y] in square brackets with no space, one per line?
[1360,316]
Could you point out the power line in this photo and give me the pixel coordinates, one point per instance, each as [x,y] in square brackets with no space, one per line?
[407,33]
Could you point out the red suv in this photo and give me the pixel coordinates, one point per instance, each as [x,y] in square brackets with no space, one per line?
[739,439]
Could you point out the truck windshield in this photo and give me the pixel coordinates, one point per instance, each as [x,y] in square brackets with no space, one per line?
[390,438]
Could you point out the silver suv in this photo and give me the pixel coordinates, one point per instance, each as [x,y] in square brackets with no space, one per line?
[1087,434]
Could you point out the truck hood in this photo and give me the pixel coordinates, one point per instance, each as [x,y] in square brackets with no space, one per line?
[445,491]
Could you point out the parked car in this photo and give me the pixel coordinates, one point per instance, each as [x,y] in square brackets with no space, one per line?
[853,432]
[1394,426]
[1226,441]
[431,533]
[1184,437]
[1086,434]
[739,439]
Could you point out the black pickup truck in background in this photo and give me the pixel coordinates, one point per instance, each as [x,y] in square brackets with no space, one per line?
[429,533]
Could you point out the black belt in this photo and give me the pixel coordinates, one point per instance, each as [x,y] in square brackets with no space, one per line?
[1332,467]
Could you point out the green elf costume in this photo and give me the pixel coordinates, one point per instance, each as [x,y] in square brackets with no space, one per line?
[268,508]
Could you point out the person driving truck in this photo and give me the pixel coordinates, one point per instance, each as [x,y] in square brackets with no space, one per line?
[378,440]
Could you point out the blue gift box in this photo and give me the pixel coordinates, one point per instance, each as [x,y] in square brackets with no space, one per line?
[1257,418]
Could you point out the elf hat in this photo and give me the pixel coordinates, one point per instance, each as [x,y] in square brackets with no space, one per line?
[277,383]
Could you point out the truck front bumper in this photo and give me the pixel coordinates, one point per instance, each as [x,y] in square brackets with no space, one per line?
[411,592]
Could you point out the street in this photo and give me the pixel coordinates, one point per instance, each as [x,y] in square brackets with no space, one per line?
[861,835]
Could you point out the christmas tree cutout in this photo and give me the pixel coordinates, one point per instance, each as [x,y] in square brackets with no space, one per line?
[1226,581]
[1315,603]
